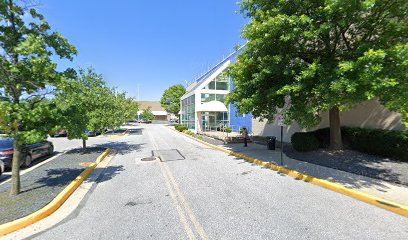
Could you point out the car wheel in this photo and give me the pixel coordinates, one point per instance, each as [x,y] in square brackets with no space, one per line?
[27,161]
[50,150]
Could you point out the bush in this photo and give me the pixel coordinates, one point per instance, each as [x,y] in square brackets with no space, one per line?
[304,141]
[180,127]
[323,137]
[385,143]
[188,132]
[228,130]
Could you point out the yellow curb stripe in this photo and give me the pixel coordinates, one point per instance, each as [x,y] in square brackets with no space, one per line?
[54,204]
[364,197]
[124,133]
[121,134]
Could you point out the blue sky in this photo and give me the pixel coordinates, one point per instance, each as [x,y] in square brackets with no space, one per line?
[155,44]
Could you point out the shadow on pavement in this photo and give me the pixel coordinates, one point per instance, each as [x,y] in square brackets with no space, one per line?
[109,173]
[355,181]
[121,148]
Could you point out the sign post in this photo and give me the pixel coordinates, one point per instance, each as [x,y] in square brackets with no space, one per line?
[279,119]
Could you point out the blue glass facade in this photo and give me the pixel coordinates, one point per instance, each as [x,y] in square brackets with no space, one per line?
[239,121]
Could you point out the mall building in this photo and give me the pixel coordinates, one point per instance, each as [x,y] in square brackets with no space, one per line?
[203,107]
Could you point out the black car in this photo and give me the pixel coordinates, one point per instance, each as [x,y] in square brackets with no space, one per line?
[30,152]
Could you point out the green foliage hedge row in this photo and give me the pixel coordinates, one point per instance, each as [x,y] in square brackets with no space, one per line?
[180,127]
[385,143]
[304,141]
[393,144]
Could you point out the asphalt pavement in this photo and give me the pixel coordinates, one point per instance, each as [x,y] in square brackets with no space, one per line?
[196,192]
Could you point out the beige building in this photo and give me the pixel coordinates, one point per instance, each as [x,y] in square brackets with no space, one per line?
[158,111]
[369,114]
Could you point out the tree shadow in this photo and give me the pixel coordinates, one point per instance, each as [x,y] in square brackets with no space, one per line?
[115,132]
[357,181]
[109,173]
[356,162]
[121,147]
[61,177]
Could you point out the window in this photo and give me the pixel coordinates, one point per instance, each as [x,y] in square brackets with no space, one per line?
[188,112]
[221,97]
[220,83]
[205,97]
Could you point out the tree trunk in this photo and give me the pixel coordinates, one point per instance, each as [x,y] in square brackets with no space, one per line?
[335,130]
[15,168]
[83,144]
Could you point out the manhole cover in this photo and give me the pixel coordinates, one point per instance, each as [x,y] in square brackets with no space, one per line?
[148,159]
[168,155]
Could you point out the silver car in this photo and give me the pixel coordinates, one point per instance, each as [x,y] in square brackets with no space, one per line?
[1,167]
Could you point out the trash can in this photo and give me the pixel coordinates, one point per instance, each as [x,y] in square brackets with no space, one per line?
[271,142]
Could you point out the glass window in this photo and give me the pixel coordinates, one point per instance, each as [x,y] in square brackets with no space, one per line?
[221,97]
[206,97]
[222,85]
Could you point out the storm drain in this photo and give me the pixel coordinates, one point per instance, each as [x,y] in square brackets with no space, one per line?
[168,155]
[148,159]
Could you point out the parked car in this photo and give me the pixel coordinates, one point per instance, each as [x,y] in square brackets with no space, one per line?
[92,134]
[1,167]
[146,121]
[59,133]
[29,152]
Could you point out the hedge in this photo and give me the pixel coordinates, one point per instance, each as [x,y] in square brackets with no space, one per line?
[387,143]
[304,141]
[180,127]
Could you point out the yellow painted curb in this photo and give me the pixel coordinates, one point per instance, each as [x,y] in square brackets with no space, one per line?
[124,133]
[364,197]
[121,134]
[54,204]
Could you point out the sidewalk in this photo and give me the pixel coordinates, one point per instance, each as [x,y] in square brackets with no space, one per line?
[380,188]
[44,183]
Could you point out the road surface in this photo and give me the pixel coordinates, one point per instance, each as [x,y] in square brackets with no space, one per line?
[196,192]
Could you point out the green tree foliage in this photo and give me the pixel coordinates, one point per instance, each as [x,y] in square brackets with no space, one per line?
[27,76]
[147,114]
[171,98]
[326,55]
[86,103]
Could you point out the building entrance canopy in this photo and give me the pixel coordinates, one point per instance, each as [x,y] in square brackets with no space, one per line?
[213,106]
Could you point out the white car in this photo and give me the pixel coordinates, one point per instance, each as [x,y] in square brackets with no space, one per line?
[1,167]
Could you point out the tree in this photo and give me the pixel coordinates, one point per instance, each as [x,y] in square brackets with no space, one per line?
[147,114]
[27,76]
[324,55]
[78,99]
[171,98]
[86,103]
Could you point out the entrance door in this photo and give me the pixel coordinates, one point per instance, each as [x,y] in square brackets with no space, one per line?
[209,121]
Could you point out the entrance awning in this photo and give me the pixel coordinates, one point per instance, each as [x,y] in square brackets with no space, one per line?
[213,106]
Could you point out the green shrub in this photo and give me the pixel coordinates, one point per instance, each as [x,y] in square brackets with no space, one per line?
[304,142]
[322,136]
[188,132]
[228,130]
[380,142]
[180,127]
[385,143]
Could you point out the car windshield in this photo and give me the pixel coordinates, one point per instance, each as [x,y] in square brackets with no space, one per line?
[6,143]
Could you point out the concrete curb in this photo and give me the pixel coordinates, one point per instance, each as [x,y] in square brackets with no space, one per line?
[121,134]
[364,197]
[124,133]
[54,204]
